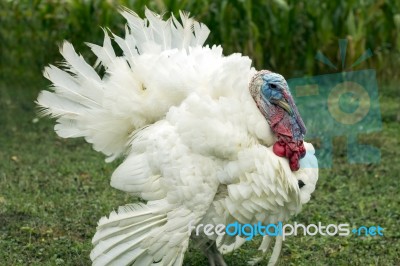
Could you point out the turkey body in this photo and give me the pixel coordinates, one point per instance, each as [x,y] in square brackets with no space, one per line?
[198,150]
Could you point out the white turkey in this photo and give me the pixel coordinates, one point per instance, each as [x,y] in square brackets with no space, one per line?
[206,139]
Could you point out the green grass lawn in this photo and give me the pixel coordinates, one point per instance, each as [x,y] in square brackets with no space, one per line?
[53,191]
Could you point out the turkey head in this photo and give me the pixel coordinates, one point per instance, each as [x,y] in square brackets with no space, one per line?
[271,93]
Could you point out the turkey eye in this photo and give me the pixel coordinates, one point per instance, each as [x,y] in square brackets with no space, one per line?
[273,86]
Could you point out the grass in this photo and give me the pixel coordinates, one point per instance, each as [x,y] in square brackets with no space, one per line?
[53,191]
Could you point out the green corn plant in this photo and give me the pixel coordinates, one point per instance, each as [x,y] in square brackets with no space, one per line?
[283,35]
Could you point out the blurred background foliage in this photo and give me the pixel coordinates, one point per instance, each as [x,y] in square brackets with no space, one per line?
[280,35]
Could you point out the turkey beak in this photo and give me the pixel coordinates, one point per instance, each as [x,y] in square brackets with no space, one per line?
[284,105]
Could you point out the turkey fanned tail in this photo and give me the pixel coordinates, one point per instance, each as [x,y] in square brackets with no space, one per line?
[106,110]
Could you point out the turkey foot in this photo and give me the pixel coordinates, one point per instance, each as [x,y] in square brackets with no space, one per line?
[215,258]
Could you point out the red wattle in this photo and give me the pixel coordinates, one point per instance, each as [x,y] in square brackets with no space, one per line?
[279,149]
[294,162]
[293,151]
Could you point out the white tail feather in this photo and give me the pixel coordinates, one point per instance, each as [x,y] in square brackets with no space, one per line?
[201,32]
[67,86]
[128,45]
[105,54]
[56,106]
[77,64]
